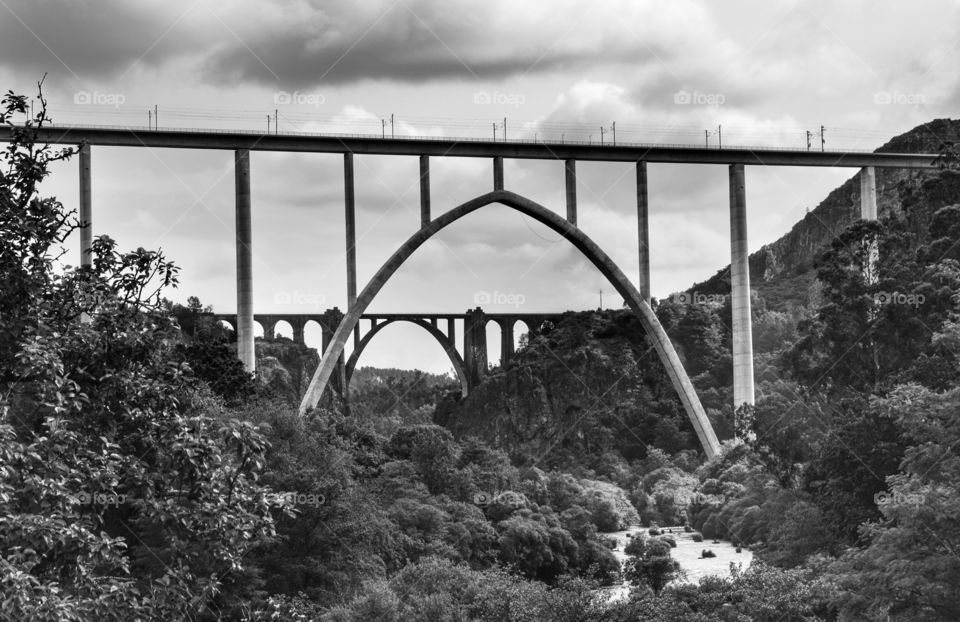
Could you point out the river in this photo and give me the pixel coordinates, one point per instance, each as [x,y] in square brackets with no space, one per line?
[687,552]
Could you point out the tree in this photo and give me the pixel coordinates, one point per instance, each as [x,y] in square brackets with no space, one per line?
[909,569]
[123,493]
[650,564]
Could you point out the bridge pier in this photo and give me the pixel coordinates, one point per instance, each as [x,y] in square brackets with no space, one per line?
[331,321]
[475,347]
[86,207]
[743,390]
[498,173]
[424,190]
[570,169]
[245,348]
[868,211]
[643,231]
[298,332]
[506,342]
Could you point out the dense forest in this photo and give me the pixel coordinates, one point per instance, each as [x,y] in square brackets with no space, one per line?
[145,476]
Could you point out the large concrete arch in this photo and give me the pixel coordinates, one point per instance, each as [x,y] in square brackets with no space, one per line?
[448,347]
[661,342]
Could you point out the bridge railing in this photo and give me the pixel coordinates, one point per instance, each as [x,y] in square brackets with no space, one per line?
[517,141]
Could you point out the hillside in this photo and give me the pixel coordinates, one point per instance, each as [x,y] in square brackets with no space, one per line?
[782,271]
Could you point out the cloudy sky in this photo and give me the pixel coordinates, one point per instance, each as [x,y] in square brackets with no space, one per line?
[764,72]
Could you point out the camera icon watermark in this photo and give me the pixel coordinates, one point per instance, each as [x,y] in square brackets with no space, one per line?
[899,298]
[287,298]
[696,98]
[486,98]
[96,98]
[499,298]
[296,98]
[898,98]
[696,298]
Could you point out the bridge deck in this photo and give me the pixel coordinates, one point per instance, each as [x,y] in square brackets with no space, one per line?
[468,147]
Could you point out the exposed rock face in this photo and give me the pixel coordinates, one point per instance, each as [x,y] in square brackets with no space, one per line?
[898,191]
[286,367]
[589,386]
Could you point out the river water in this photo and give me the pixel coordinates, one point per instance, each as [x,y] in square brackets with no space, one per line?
[687,553]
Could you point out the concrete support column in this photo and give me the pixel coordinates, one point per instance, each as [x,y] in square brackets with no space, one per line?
[298,333]
[245,348]
[86,207]
[424,190]
[868,211]
[570,167]
[743,391]
[643,231]
[506,343]
[452,332]
[868,193]
[350,218]
[269,329]
[498,173]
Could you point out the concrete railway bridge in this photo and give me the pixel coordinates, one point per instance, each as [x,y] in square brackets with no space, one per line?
[637,296]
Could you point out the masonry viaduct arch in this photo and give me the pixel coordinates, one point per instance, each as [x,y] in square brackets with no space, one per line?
[582,242]
[445,342]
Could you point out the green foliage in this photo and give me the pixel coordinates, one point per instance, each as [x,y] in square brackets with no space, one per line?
[650,565]
[124,493]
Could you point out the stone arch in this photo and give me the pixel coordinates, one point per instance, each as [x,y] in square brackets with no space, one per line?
[285,325]
[493,329]
[449,348]
[661,342]
[518,332]
[313,330]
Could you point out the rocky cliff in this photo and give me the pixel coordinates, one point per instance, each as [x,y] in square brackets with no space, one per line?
[285,367]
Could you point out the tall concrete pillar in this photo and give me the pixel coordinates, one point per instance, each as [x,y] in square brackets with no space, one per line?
[868,193]
[643,231]
[269,328]
[86,207]
[244,234]
[743,391]
[452,331]
[498,173]
[350,217]
[424,190]
[570,168]
[506,343]
[868,211]
[298,330]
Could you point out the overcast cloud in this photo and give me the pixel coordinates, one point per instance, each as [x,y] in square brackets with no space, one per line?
[766,72]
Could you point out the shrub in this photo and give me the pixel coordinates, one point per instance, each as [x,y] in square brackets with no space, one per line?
[705,553]
[669,540]
[697,537]
[654,531]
